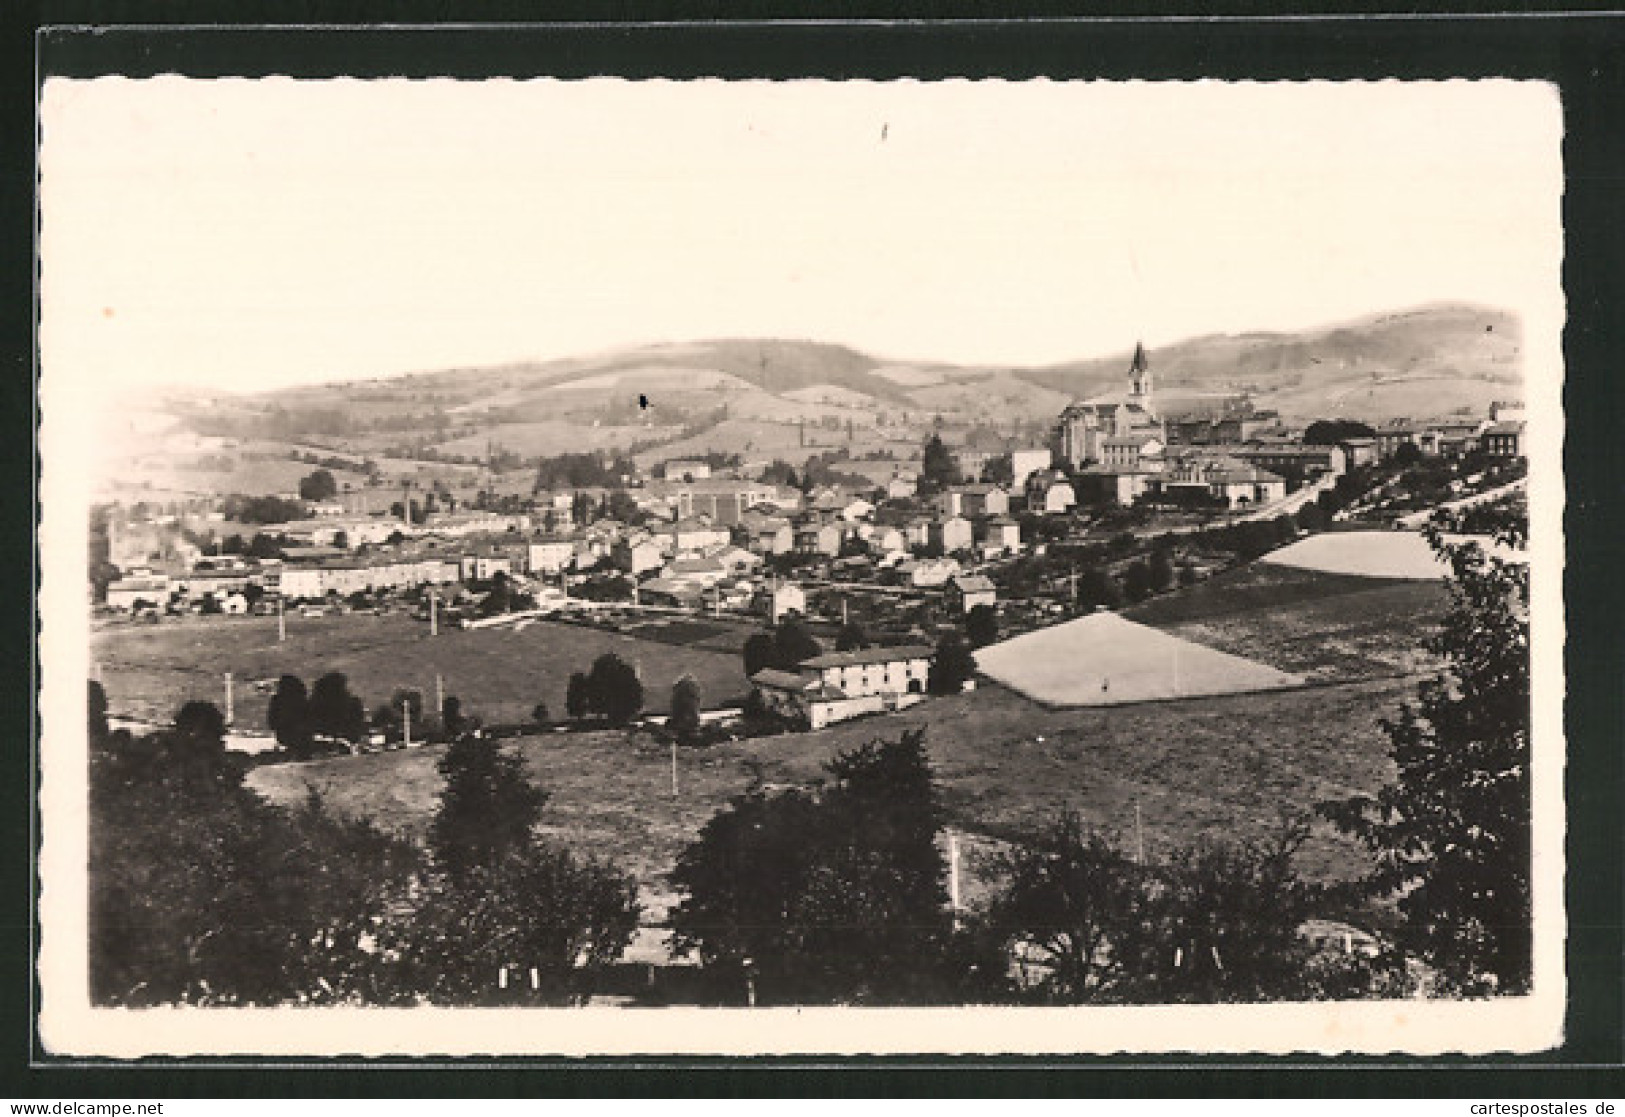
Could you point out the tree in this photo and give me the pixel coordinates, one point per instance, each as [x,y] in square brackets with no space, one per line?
[792,643]
[289,717]
[1137,582]
[834,893]
[451,716]
[534,910]
[981,625]
[318,486]
[1407,454]
[539,714]
[851,638]
[488,806]
[201,893]
[1069,902]
[1329,432]
[1451,835]
[953,665]
[613,689]
[97,710]
[685,708]
[1161,570]
[760,651]
[939,469]
[1097,588]
[576,701]
[334,711]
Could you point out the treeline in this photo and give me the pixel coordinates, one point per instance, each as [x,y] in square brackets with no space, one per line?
[582,471]
[837,893]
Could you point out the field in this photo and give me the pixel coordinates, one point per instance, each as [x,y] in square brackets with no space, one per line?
[499,674]
[1370,554]
[1322,626]
[1223,767]
[1104,660]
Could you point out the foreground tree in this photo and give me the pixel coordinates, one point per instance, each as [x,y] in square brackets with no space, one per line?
[1451,835]
[685,709]
[488,806]
[825,894]
[201,893]
[1070,901]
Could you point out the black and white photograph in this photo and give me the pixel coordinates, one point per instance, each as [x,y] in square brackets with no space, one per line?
[813,567]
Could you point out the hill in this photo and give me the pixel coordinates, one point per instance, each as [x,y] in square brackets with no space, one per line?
[1425,361]
[771,396]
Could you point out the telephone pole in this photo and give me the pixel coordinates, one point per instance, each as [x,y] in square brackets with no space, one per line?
[230,708]
[281,621]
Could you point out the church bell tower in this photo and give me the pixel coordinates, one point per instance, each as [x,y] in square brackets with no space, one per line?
[1139,375]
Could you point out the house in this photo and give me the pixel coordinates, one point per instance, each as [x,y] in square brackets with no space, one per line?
[1025,463]
[1306,461]
[1402,432]
[696,570]
[886,539]
[780,601]
[1503,440]
[1119,485]
[952,533]
[683,469]
[692,534]
[902,486]
[1459,437]
[872,671]
[1130,451]
[928,573]
[1050,492]
[128,592]
[550,555]
[1001,536]
[802,697]
[818,539]
[975,500]
[1359,451]
[857,509]
[1231,483]
[482,566]
[637,554]
[772,537]
[670,592]
[234,604]
[965,592]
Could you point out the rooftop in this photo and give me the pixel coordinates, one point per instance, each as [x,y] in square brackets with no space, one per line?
[869,655]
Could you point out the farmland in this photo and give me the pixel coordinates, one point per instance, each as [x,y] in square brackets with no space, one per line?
[1322,626]
[1221,766]
[500,674]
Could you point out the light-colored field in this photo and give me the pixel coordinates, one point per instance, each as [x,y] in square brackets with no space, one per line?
[1373,554]
[1107,660]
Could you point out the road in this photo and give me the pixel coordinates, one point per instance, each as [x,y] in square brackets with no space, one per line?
[1417,519]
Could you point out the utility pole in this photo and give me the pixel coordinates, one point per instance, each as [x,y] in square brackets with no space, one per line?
[230,708]
[406,724]
[674,768]
[281,621]
[434,613]
[953,873]
[439,691]
[1139,837]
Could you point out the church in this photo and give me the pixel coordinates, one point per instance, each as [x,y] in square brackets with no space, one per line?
[1103,428]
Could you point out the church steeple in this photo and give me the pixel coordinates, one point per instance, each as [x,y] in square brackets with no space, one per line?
[1139,374]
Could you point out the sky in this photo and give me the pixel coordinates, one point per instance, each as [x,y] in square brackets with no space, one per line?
[256,234]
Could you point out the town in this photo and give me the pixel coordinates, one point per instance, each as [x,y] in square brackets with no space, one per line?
[885,559]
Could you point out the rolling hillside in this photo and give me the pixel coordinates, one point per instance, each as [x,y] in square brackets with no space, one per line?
[754,396]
